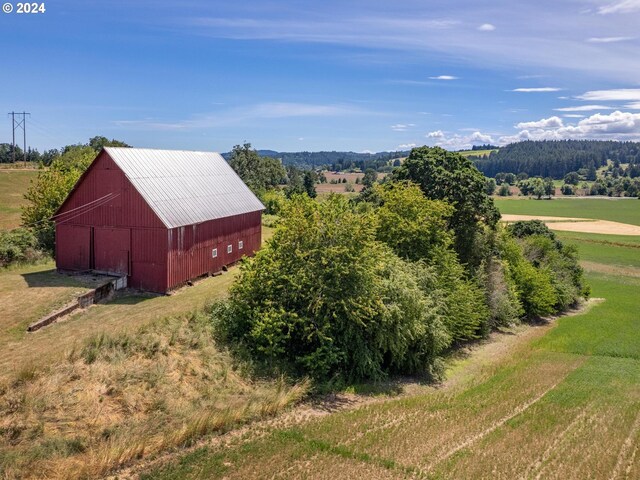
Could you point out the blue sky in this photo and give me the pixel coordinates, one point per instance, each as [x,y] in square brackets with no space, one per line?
[331,75]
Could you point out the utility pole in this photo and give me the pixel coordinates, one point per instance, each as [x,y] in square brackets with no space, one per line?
[16,124]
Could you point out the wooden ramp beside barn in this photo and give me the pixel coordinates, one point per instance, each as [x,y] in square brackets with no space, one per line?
[100,293]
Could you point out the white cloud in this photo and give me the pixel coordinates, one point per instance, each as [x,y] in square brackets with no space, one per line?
[536,89]
[367,151]
[609,39]
[619,94]
[480,137]
[457,141]
[444,77]
[550,123]
[572,115]
[583,108]
[401,127]
[613,126]
[623,6]
[406,146]
[633,106]
[487,27]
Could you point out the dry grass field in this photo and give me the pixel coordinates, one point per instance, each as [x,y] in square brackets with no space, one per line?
[13,185]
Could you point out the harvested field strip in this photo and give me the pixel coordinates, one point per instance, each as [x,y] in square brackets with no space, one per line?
[507,217]
[576,431]
[612,209]
[583,225]
[448,420]
[383,435]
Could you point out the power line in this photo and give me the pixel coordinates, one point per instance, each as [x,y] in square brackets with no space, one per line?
[16,124]
[104,202]
[99,202]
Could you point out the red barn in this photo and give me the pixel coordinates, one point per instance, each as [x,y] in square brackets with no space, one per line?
[161,217]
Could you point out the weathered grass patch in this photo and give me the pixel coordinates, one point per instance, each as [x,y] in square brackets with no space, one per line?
[118,398]
[13,186]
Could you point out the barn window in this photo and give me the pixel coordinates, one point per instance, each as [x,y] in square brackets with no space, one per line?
[229,249]
[214,253]
[240,245]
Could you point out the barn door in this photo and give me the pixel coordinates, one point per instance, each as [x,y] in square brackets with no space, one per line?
[112,250]
[73,247]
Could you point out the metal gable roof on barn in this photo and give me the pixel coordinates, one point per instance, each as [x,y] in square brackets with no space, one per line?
[184,187]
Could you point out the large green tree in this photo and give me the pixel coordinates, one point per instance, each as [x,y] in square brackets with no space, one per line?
[49,190]
[99,142]
[259,173]
[412,225]
[448,176]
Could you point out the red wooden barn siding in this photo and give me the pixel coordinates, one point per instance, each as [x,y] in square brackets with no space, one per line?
[190,247]
[147,242]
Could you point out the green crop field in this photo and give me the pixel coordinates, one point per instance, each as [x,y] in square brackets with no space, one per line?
[562,402]
[617,210]
[618,250]
[13,185]
[609,330]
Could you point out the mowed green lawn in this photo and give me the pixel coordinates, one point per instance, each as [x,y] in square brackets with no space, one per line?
[617,210]
[564,405]
[13,186]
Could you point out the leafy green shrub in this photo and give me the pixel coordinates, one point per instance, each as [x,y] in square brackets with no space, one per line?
[465,311]
[417,229]
[18,245]
[562,264]
[273,201]
[325,298]
[536,293]
[526,228]
[543,249]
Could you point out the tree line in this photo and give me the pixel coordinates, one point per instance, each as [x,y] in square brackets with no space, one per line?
[48,156]
[551,158]
[335,161]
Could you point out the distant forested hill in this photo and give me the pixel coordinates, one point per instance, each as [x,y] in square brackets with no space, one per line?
[334,160]
[557,158]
